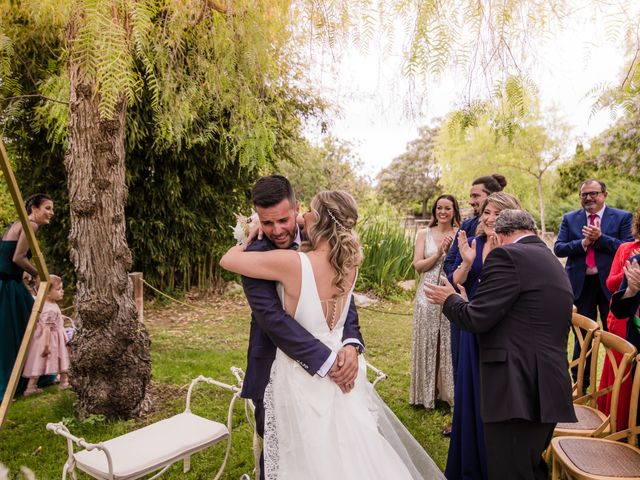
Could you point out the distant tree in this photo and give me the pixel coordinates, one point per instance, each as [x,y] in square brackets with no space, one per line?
[508,134]
[613,157]
[413,176]
[332,165]
[538,146]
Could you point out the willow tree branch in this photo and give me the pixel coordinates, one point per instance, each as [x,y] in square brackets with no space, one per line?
[632,69]
[35,95]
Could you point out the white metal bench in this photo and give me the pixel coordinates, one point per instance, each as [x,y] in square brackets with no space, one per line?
[154,447]
[161,444]
[380,375]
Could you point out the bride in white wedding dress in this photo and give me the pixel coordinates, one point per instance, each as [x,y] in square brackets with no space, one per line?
[315,429]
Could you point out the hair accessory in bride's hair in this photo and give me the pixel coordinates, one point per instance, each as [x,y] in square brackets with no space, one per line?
[335,219]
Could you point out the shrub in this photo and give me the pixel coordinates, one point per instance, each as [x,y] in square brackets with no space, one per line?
[388,256]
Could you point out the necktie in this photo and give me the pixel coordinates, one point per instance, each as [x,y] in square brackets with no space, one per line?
[591,253]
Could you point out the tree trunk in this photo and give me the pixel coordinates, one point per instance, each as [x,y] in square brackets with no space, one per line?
[541,203]
[110,362]
[424,207]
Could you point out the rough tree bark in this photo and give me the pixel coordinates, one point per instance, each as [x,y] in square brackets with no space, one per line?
[110,362]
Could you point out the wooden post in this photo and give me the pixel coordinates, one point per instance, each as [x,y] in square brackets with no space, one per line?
[138,293]
[43,274]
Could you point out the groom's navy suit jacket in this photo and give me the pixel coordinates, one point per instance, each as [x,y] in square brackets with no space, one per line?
[272,328]
[616,229]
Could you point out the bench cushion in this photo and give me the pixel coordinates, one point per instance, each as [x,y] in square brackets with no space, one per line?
[148,449]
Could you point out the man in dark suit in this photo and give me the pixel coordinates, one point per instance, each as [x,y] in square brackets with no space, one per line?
[589,238]
[522,314]
[271,327]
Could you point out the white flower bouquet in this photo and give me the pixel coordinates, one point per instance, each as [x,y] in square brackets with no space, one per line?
[244,226]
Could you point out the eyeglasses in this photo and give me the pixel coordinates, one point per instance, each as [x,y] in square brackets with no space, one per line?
[589,194]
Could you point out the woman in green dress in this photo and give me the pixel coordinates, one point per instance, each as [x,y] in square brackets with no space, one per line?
[15,300]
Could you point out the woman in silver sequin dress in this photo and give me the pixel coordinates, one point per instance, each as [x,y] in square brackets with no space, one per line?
[431,369]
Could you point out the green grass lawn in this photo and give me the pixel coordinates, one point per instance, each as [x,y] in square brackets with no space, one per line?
[208,340]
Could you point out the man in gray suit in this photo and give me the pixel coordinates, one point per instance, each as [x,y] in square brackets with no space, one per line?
[522,314]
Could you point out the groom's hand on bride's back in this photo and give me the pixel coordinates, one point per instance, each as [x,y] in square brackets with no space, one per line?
[345,369]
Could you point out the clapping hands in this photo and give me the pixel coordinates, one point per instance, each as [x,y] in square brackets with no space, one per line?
[445,244]
[632,272]
[591,234]
[467,252]
[492,241]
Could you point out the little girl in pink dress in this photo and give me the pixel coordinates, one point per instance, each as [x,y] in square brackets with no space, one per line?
[47,352]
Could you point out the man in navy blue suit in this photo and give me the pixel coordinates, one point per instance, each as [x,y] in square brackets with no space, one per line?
[589,238]
[271,327]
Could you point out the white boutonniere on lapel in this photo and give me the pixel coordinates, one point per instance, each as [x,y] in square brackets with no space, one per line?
[244,226]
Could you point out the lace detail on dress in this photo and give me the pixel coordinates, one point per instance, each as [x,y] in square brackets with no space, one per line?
[372,406]
[271,452]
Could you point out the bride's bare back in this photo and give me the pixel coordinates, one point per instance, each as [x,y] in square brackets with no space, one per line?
[332,299]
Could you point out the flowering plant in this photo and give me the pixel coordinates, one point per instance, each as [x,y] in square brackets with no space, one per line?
[244,226]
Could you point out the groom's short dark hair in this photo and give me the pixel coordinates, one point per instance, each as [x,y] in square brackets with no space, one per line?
[271,190]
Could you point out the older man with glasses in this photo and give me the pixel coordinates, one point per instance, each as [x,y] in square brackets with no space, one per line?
[589,238]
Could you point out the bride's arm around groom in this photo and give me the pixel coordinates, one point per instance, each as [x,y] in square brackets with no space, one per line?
[272,327]
[274,201]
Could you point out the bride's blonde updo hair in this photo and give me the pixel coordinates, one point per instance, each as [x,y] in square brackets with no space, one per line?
[336,213]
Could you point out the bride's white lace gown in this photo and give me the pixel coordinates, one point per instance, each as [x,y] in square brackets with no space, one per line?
[315,432]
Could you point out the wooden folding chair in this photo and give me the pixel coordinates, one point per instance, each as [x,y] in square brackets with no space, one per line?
[605,458]
[154,447]
[583,328]
[591,421]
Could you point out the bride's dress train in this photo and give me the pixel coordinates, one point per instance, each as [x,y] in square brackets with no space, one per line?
[314,431]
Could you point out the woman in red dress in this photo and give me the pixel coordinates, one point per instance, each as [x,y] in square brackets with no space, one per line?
[619,327]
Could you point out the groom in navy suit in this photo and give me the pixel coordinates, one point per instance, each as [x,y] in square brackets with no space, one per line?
[271,327]
[589,238]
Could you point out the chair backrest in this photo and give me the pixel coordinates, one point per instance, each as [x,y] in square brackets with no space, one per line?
[610,343]
[632,431]
[583,328]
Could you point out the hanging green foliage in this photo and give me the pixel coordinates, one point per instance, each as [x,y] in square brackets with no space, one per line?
[211,106]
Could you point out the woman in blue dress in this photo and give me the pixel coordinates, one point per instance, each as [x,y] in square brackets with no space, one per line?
[467,456]
[15,300]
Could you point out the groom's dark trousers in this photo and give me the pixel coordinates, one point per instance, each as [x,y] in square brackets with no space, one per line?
[271,328]
[521,314]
